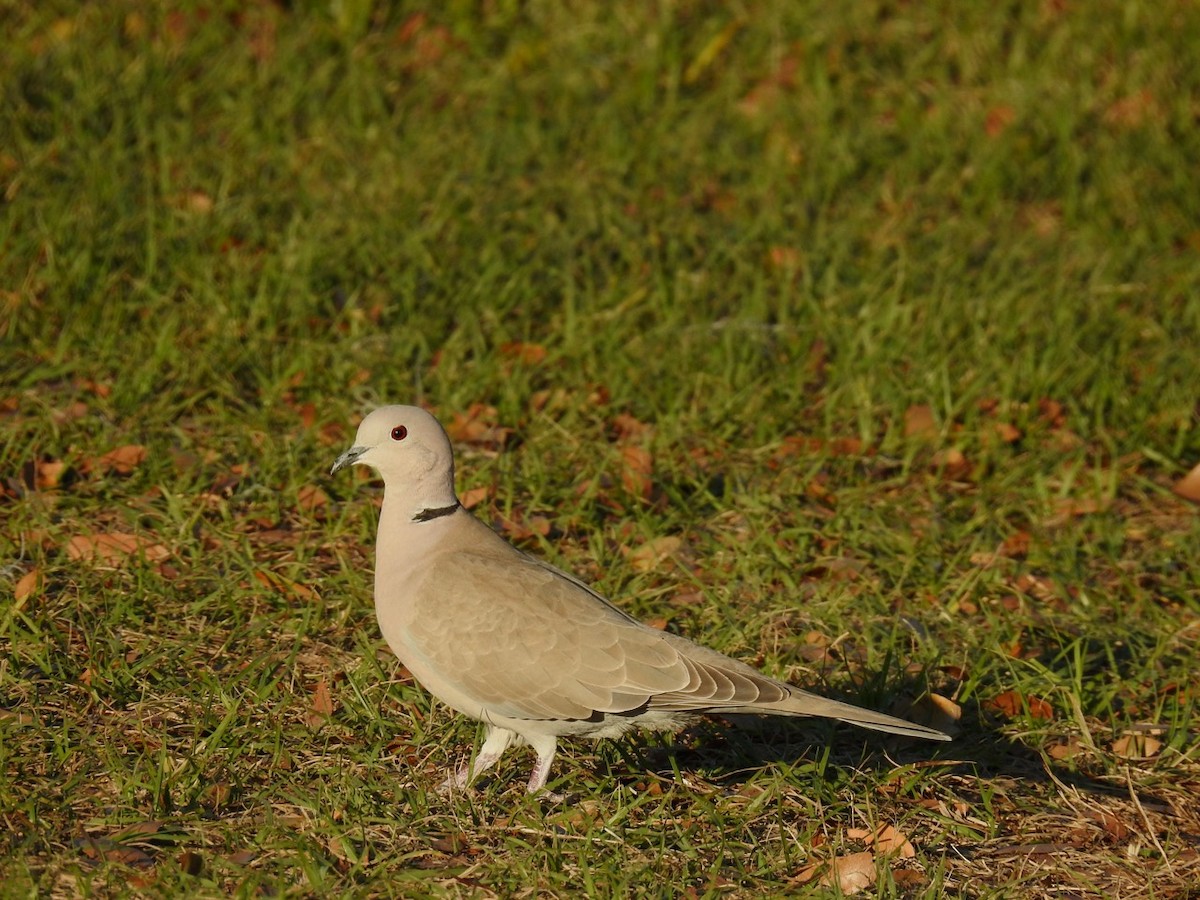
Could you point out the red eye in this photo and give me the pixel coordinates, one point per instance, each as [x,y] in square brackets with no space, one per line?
[399,433]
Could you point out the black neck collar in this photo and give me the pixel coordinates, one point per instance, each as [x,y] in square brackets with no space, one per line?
[425,515]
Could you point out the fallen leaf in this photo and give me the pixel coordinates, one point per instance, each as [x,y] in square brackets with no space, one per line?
[1067,508]
[1065,749]
[48,473]
[311,499]
[285,586]
[1052,412]
[636,467]
[1015,545]
[653,553]
[70,413]
[528,354]
[887,839]
[852,873]
[628,427]
[1136,746]
[114,547]
[27,585]
[1012,703]
[321,707]
[998,119]
[1008,433]
[1116,829]
[952,463]
[919,422]
[478,425]
[1188,487]
[789,259]
[472,497]
[524,529]
[936,711]
[190,862]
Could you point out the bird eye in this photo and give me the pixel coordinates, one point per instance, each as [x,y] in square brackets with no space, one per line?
[399,433]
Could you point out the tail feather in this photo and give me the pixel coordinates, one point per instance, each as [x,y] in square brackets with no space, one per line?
[802,703]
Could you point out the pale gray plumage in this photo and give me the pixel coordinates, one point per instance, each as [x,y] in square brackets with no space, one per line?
[523,647]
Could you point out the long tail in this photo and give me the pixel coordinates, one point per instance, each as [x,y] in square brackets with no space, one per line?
[802,703]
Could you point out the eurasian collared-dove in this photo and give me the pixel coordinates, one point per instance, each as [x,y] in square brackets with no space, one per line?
[529,650]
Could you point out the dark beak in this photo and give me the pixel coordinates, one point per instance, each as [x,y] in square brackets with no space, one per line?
[348,458]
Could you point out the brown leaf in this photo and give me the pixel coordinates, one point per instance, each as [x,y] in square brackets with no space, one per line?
[27,585]
[524,529]
[322,705]
[1136,746]
[1065,749]
[1132,111]
[472,497]
[937,712]
[1007,432]
[123,460]
[788,259]
[852,873]
[998,119]
[1012,703]
[1188,487]
[1052,412]
[1015,545]
[291,589]
[48,473]
[952,463]
[887,839]
[479,426]
[527,354]
[311,499]
[627,427]
[636,467]
[70,412]
[652,554]
[1116,829]
[919,422]
[1067,508]
[114,547]
[190,862]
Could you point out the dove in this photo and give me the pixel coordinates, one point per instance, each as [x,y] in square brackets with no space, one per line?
[529,650]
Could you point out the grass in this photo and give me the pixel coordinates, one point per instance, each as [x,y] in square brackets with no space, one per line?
[906,296]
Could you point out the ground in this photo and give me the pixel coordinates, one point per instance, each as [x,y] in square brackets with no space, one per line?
[857,342]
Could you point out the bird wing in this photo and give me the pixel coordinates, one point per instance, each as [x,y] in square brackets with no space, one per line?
[529,642]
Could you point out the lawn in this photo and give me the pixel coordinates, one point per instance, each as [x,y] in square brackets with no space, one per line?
[858,341]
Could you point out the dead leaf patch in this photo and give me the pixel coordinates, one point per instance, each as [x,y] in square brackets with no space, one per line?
[114,547]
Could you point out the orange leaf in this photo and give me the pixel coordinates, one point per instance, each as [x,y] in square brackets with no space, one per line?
[48,473]
[1136,746]
[938,712]
[920,422]
[529,354]
[123,460]
[472,497]
[998,119]
[852,873]
[311,498]
[887,839]
[114,547]
[27,585]
[322,705]
[636,466]
[653,553]
[285,586]
[1013,703]
[627,426]
[1188,487]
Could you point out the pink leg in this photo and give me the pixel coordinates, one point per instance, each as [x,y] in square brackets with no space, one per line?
[544,746]
[493,748]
